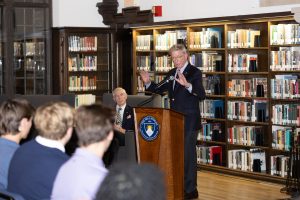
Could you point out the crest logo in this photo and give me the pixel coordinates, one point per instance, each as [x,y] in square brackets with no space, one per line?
[149,128]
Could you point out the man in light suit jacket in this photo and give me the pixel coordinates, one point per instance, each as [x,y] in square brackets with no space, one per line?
[185,90]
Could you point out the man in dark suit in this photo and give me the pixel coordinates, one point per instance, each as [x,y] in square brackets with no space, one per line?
[124,121]
[123,111]
[185,90]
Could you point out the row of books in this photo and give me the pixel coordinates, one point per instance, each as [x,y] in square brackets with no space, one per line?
[280,34]
[211,84]
[161,63]
[77,43]
[255,111]
[242,63]
[210,132]
[279,165]
[29,48]
[212,108]
[286,114]
[82,83]
[206,38]
[82,63]
[30,64]
[254,87]
[243,38]
[286,59]
[166,40]
[144,42]
[284,34]
[285,87]
[209,155]
[282,137]
[144,63]
[246,135]
[212,61]
[207,61]
[84,99]
[253,160]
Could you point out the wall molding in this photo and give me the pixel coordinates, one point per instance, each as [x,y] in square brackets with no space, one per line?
[130,15]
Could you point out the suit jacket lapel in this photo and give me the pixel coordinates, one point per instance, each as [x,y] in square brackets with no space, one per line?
[124,115]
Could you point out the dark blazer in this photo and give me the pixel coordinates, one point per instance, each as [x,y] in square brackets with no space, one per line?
[181,99]
[128,118]
[119,138]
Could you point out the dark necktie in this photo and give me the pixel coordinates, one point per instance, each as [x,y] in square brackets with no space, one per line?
[175,85]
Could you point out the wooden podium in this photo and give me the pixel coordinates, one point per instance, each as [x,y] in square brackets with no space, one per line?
[166,149]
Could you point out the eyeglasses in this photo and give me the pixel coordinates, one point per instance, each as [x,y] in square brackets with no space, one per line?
[178,57]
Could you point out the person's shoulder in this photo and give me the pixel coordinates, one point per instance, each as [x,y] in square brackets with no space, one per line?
[193,69]
[172,71]
[27,145]
[128,107]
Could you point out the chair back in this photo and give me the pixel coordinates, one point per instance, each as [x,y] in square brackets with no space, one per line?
[128,151]
[153,101]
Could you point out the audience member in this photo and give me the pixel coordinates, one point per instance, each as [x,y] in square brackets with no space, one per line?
[124,121]
[15,123]
[80,177]
[35,164]
[133,182]
[124,113]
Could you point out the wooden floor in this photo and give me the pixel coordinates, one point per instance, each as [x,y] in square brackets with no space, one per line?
[212,186]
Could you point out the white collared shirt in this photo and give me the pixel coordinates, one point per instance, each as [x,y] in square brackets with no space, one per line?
[182,68]
[50,143]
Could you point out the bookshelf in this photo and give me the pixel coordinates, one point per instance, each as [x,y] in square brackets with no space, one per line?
[251,76]
[83,63]
[25,63]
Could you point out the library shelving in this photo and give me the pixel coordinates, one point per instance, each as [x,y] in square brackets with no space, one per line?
[84,62]
[25,63]
[250,68]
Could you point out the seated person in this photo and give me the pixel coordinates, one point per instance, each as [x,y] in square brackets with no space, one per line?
[15,123]
[124,113]
[35,164]
[124,121]
[81,176]
[133,182]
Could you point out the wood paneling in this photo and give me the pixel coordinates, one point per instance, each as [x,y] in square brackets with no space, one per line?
[166,150]
[264,3]
[215,186]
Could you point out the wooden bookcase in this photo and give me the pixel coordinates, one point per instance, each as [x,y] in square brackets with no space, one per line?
[244,63]
[25,33]
[83,61]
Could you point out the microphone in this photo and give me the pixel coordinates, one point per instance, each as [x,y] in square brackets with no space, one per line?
[171,78]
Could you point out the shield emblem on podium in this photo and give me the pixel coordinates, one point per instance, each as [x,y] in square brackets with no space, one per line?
[149,128]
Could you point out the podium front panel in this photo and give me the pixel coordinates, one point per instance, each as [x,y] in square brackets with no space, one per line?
[160,140]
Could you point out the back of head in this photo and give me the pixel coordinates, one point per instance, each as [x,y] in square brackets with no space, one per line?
[93,123]
[133,182]
[11,114]
[53,119]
